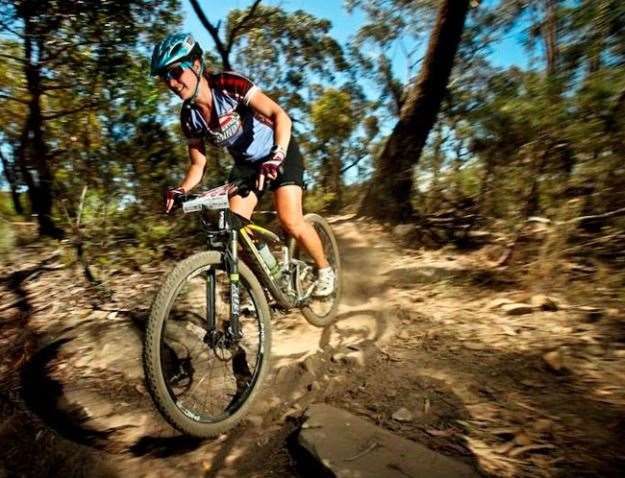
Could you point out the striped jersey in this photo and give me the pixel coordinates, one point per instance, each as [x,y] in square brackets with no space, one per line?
[234,125]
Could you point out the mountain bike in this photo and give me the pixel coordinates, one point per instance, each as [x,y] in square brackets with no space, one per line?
[208,337]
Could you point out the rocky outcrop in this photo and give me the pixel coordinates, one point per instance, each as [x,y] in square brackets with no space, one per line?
[344,445]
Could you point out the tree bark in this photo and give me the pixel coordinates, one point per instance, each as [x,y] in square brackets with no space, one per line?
[331,181]
[32,140]
[9,174]
[550,38]
[224,49]
[435,195]
[389,193]
[532,202]
[486,186]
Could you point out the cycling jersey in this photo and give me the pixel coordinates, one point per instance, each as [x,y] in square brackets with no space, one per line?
[234,125]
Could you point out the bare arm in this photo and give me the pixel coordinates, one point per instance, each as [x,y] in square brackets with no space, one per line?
[261,103]
[195,171]
[281,130]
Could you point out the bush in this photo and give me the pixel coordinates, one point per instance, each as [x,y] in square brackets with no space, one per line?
[7,237]
[317,201]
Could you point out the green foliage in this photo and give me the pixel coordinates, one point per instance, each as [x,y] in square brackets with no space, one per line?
[342,137]
[75,88]
[7,237]
[6,205]
[318,201]
[332,116]
[283,51]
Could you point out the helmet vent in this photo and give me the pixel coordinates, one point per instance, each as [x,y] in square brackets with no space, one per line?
[175,50]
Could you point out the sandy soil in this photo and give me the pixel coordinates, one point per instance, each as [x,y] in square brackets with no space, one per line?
[435,354]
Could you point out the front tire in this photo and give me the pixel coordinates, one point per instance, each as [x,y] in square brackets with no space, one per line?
[177,360]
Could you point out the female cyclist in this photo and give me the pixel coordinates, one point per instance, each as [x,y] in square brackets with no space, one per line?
[228,110]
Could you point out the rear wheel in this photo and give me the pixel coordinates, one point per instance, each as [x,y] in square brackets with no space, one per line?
[320,311]
[204,385]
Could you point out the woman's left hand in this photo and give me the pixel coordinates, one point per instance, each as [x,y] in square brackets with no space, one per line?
[270,169]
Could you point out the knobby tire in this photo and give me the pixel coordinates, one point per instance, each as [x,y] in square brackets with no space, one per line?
[155,379]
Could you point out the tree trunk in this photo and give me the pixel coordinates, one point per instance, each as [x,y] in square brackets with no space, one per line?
[433,200]
[9,174]
[532,202]
[486,186]
[331,177]
[40,190]
[550,39]
[390,190]
[457,166]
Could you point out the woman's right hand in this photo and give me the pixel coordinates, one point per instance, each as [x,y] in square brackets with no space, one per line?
[172,195]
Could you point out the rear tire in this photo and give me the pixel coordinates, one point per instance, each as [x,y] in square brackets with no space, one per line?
[321,317]
[158,351]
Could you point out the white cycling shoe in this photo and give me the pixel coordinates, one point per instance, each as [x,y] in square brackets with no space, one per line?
[325,282]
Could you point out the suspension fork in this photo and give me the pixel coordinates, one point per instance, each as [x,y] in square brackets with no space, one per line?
[211,278]
[231,259]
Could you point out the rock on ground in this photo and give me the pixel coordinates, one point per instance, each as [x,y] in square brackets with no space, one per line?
[349,446]
[517,309]
[544,302]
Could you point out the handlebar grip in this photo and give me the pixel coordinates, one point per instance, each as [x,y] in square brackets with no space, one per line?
[268,181]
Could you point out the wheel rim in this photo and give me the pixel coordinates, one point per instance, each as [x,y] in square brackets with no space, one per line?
[209,384]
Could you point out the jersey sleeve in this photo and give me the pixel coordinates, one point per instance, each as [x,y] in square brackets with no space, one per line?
[191,123]
[236,86]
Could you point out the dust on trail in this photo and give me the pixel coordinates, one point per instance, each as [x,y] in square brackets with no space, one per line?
[416,331]
[541,393]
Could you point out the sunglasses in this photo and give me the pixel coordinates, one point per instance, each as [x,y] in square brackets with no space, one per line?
[176,71]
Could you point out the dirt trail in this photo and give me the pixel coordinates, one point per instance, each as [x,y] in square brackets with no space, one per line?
[417,332]
[518,389]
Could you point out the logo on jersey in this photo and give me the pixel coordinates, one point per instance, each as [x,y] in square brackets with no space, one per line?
[230,129]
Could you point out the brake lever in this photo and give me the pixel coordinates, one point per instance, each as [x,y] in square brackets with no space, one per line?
[267,182]
[239,187]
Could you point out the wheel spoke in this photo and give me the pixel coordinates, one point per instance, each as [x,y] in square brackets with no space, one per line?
[215,382]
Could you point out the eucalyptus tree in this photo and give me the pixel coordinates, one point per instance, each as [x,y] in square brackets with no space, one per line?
[580,50]
[12,115]
[71,52]
[393,29]
[342,134]
[284,52]
[391,187]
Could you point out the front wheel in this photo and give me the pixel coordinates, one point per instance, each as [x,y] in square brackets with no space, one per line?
[203,383]
[321,311]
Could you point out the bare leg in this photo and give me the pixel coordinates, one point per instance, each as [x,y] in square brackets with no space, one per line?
[244,206]
[288,203]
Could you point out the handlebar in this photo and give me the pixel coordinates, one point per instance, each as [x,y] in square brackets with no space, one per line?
[238,186]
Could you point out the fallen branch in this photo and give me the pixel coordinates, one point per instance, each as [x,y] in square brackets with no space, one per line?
[507,254]
[605,215]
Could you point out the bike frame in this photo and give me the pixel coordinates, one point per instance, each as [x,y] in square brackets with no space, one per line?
[234,231]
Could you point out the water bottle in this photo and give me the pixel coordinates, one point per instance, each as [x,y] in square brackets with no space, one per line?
[268,258]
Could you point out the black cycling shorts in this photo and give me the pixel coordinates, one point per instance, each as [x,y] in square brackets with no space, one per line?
[292,171]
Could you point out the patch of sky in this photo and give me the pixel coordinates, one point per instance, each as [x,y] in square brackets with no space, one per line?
[507,51]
